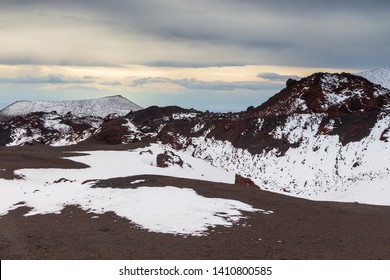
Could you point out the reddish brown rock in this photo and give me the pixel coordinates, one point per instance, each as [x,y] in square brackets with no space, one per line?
[239,180]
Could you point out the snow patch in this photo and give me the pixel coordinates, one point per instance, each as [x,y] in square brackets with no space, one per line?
[260,123]
[130,126]
[198,127]
[163,209]
[137,181]
[184,116]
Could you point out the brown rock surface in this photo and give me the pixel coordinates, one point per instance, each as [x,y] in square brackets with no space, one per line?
[239,180]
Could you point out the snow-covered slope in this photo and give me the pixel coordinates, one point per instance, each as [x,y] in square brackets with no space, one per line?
[379,76]
[316,166]
[100,107]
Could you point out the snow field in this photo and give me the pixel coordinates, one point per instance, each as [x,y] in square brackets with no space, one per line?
[163,209]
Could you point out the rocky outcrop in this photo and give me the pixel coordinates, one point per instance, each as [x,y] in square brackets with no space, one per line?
[167,159]
[333,94]
[240,180]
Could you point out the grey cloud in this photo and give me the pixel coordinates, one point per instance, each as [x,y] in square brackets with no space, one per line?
[160,63]
[20,60]
[318,6]
[57,79]
[32,60]
[276,77]
[300,33]
[51,79]
[113,83]
[212,86]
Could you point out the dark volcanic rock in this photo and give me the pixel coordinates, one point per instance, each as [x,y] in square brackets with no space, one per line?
[167,159]
[290,82]
[349,127]
[385,135]
[5,134]
[112,131]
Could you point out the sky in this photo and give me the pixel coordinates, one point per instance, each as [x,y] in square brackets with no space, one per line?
[218,55]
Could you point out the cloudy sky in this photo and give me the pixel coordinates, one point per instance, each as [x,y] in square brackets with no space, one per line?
[219,55]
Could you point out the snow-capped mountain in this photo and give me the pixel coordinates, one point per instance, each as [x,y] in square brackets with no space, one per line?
[379,76]
[323,137]
[100,107]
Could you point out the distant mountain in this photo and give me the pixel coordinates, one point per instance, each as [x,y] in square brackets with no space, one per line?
[100,107]
[379,76]
[326,136]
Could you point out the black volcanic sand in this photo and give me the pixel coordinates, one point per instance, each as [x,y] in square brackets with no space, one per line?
[12,159]
[299,229]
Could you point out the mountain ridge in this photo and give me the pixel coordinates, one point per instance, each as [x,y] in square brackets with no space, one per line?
[330,145]
[380,76]
[100,107]
[325,93]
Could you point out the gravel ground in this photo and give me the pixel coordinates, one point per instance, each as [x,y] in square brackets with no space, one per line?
[298,229]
